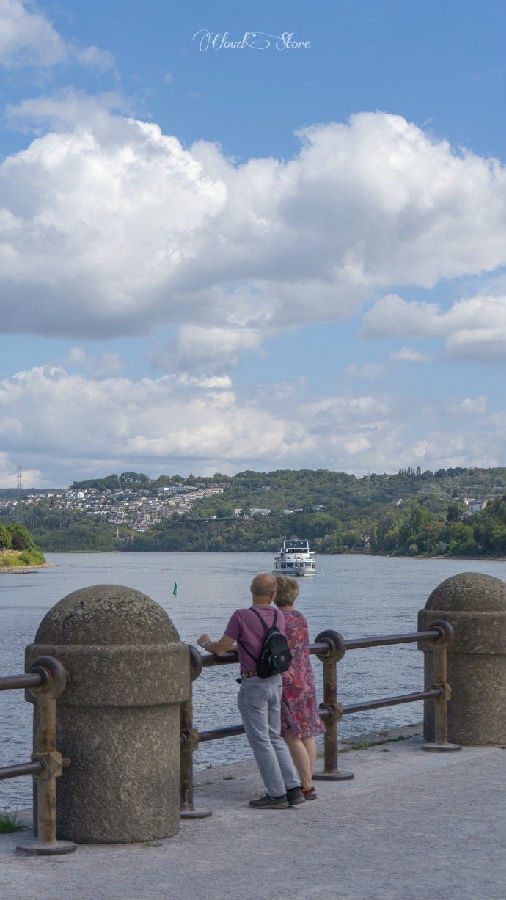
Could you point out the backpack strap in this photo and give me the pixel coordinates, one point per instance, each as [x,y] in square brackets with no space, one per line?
[266,627]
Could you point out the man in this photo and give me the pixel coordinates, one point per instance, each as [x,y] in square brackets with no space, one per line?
[260,698]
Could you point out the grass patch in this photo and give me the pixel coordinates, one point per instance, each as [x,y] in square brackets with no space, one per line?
[12,559]
[8,822]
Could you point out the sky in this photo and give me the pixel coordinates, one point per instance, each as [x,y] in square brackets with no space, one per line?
[250,236]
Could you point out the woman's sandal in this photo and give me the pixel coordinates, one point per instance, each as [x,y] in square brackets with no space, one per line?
[309,793]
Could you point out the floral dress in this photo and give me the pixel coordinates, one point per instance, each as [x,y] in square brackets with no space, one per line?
[299,710]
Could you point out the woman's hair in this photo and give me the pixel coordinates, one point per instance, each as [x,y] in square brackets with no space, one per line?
[287,591]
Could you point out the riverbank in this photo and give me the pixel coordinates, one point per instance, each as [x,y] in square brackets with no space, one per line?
[411,825]
[22,569]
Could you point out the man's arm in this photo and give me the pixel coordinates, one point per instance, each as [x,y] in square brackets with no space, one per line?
[220,647]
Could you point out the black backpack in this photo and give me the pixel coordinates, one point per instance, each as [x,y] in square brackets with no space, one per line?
[275,656]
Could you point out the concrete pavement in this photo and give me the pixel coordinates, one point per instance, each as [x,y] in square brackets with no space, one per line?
[411,825]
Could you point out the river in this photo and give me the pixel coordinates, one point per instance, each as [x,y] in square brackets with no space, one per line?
[354,594]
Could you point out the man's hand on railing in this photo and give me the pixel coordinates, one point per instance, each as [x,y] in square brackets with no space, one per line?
[220,647]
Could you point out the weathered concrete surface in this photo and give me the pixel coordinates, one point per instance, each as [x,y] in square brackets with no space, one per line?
[475,605]
[411,825]
[118,719]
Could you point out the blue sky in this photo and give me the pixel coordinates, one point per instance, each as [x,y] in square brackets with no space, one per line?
[264,256]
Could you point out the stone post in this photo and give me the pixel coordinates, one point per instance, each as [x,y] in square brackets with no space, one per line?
[118,719]
[475,605]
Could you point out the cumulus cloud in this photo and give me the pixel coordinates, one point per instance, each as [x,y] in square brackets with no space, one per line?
[183,422]
[474,328]
[370,371]
[100,364]
[468,406]
[28,39]
[95,58]
[408,354]
[483,345]
[109,225]
[207,349]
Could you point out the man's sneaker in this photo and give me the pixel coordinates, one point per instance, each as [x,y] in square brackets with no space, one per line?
[295,796]
[268,802]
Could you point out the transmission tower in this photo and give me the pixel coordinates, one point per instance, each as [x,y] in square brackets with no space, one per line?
[20,480]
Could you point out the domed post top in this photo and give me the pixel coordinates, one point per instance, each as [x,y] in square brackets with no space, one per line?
[474,606]
[118,718]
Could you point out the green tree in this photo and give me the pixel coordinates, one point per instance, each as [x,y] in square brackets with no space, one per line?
[5,537]
[21,538]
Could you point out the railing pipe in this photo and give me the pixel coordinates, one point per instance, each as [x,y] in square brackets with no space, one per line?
[387,639]
[215,733]
[392,701]
[28,680]
[446,637]
[47,757]
[334,651]
[28,768]
[189,743]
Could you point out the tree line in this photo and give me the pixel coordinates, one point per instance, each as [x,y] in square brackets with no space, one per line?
[410,513]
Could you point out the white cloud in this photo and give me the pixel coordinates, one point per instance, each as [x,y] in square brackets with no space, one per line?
[29,40]
[484,345]
[207,349]
[370,371]
[408,354]
[64,110]
[474,327]
[95,58]
[468,406]
[99,365]
[187,423]
[111,227]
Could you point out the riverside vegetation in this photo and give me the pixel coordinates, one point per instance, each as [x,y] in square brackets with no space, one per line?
[412,513]
[17,548]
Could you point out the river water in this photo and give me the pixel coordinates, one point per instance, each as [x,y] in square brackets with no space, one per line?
[353,594]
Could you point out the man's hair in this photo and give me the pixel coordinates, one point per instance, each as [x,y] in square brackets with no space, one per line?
[287,591]
[263,585]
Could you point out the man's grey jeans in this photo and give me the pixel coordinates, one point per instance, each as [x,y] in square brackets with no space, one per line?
[260,707]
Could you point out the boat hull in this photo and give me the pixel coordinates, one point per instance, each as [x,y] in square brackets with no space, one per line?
[295,558]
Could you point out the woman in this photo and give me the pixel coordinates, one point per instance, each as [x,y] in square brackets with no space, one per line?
[300,721]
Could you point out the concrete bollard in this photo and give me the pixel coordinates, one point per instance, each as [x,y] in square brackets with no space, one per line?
[475,605]
[118,719]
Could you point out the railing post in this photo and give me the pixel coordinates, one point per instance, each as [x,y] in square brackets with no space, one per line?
[189,743]
[440,671]
[45,843]
[333,710]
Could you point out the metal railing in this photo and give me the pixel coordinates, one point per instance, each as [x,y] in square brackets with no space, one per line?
[46,679]
[329,647]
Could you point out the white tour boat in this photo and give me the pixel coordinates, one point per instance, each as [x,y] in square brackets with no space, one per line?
[295,558]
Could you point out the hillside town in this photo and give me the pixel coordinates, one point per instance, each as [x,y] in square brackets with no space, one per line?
[137,511]
[140,511]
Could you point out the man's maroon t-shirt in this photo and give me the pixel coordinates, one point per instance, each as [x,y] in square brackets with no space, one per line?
[245,627]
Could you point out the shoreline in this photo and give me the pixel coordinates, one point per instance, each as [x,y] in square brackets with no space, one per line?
[22,570]
[348,553]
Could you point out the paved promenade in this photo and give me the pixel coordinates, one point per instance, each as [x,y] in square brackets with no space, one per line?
[411,825]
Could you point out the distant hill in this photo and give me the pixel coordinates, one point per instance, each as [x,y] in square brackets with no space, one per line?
[407,513]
